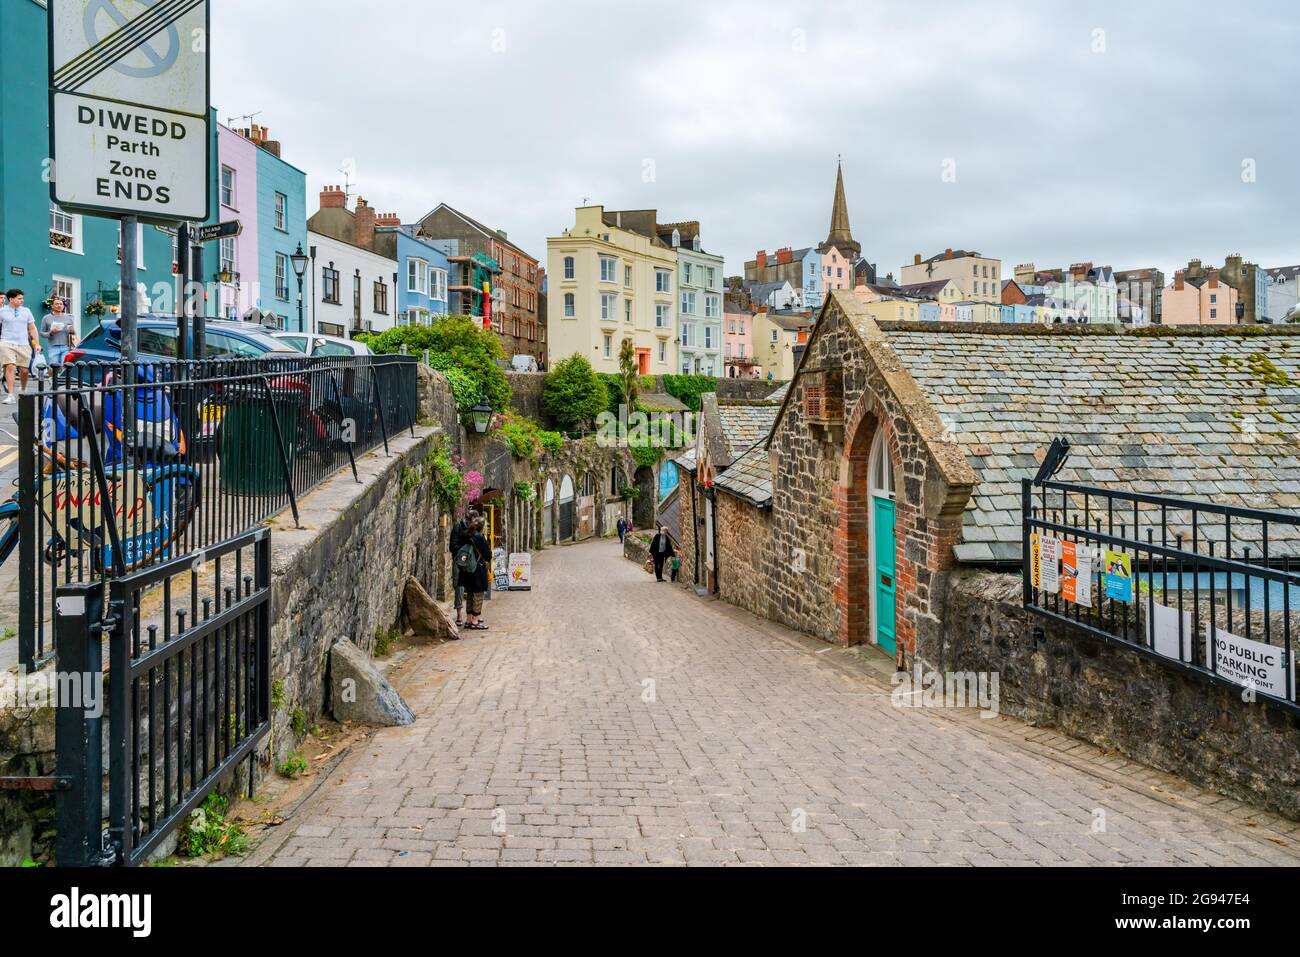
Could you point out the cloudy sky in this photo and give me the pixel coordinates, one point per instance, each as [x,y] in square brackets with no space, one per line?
[1128,133]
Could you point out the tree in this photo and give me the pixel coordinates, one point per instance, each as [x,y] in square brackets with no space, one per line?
[573,394]
[630,372]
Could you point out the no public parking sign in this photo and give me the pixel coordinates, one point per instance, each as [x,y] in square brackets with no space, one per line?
[129,119]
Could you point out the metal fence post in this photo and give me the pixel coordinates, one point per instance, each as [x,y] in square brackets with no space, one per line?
[28,499]
[1026,507]
[78,727]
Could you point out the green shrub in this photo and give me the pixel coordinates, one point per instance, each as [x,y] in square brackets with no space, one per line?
[456,344]
[384,639]
[294,766]
[527,439]
[574,395]
[688,388]
[448,481]
[207,831]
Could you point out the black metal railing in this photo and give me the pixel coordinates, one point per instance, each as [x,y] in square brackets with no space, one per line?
[125,466]
[1205,587]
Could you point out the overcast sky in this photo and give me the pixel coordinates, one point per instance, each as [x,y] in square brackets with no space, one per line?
[1121,133]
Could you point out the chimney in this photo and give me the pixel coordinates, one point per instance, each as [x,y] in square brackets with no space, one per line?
[1178,281]
[363,229]
[761,258]
[333,197]
[390,220]
[1213,279]
[784,255]
[916,260]
[947,253]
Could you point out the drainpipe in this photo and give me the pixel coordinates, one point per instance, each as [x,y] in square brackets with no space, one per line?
[695,529]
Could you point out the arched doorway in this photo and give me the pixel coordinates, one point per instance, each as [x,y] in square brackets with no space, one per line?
[548,519]
[566,509]
[587,506]
[883,590]
[643,509]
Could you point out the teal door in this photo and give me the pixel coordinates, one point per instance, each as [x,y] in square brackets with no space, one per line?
[885,586]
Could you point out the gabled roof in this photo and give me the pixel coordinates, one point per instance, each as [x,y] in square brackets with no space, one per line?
[749,477]
[745,424]
[494,234]
[1194,414]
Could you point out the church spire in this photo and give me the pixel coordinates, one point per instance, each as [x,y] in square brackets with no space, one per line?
[841,236]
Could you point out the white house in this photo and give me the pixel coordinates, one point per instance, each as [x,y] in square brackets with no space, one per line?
[353,289]
[699,294]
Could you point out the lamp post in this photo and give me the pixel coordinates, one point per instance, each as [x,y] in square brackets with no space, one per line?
[482,415]
[299,260]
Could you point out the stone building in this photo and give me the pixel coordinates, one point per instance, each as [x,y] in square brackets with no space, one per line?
[898,451]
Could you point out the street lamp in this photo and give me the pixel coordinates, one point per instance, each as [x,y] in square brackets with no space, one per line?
[482,415]
[299,260]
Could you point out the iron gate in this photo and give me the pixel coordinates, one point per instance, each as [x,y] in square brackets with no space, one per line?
[189,699]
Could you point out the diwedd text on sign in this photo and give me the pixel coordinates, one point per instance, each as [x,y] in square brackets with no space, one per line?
[129,113]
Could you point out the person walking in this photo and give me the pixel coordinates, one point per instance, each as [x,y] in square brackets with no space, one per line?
[473,563]
[59,330]
[622,530]
[455,539]
[661,549]
[18,341]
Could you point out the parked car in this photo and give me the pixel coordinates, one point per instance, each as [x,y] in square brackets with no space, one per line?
[156,337]
[320,345]
[156,340]
[524,363]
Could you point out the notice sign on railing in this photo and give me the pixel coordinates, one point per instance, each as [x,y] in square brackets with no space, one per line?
[1249,663]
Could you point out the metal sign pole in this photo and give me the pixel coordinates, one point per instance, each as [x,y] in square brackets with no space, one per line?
[183,302]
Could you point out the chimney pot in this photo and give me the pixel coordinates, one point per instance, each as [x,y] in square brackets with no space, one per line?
[916,260]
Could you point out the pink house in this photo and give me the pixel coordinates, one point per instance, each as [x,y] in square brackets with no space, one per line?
[837,271]
[237,191]
[1199,301]
[738,343]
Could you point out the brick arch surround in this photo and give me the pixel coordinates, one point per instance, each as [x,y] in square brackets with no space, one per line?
[853,505]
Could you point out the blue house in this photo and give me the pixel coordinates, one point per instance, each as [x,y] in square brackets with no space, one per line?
[929,310]
[281,231]
[812,277]
[422,268]
[44,250]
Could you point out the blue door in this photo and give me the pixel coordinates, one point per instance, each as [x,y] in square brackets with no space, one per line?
[886,589]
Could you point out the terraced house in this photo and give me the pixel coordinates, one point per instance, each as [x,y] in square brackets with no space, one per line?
[699,307]
[612,277]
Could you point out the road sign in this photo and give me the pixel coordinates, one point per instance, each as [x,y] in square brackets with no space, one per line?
[129,96]
[207,234]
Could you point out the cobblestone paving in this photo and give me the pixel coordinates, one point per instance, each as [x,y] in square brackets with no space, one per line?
[540,741]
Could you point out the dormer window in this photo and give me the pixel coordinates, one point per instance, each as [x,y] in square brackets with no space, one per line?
[696,243]
[677,238]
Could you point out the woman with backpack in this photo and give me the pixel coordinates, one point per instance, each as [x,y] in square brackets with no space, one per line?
[473,562]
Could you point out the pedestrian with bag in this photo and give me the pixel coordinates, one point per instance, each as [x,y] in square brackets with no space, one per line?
[622,530]
[661,549]
[455,539]
[473,563]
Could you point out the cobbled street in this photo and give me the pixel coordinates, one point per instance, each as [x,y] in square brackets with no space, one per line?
[609,719]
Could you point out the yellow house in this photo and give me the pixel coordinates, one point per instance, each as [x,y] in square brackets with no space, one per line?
[612,278]
[776,341]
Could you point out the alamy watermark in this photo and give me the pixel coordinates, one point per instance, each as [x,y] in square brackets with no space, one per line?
[925,687]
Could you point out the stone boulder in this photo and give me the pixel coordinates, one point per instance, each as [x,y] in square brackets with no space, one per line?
[425,616]
[359,693]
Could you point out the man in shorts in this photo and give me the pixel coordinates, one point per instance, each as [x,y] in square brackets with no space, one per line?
[17,340]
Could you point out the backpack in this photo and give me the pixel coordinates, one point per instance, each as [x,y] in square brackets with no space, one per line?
[467,558]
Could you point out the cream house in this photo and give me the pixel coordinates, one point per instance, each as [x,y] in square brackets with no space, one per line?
[612,278]
[979,278]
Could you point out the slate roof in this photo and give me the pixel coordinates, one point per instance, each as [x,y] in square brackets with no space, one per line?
[661,402]
[744,424]
[779,395]
[687,459]
[1208,417]
[749,477]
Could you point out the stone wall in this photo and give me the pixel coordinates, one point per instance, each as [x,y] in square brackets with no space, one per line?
[342,573]
[743,553]
[692,532]
[749,389]
[1117,698]
[526,394]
